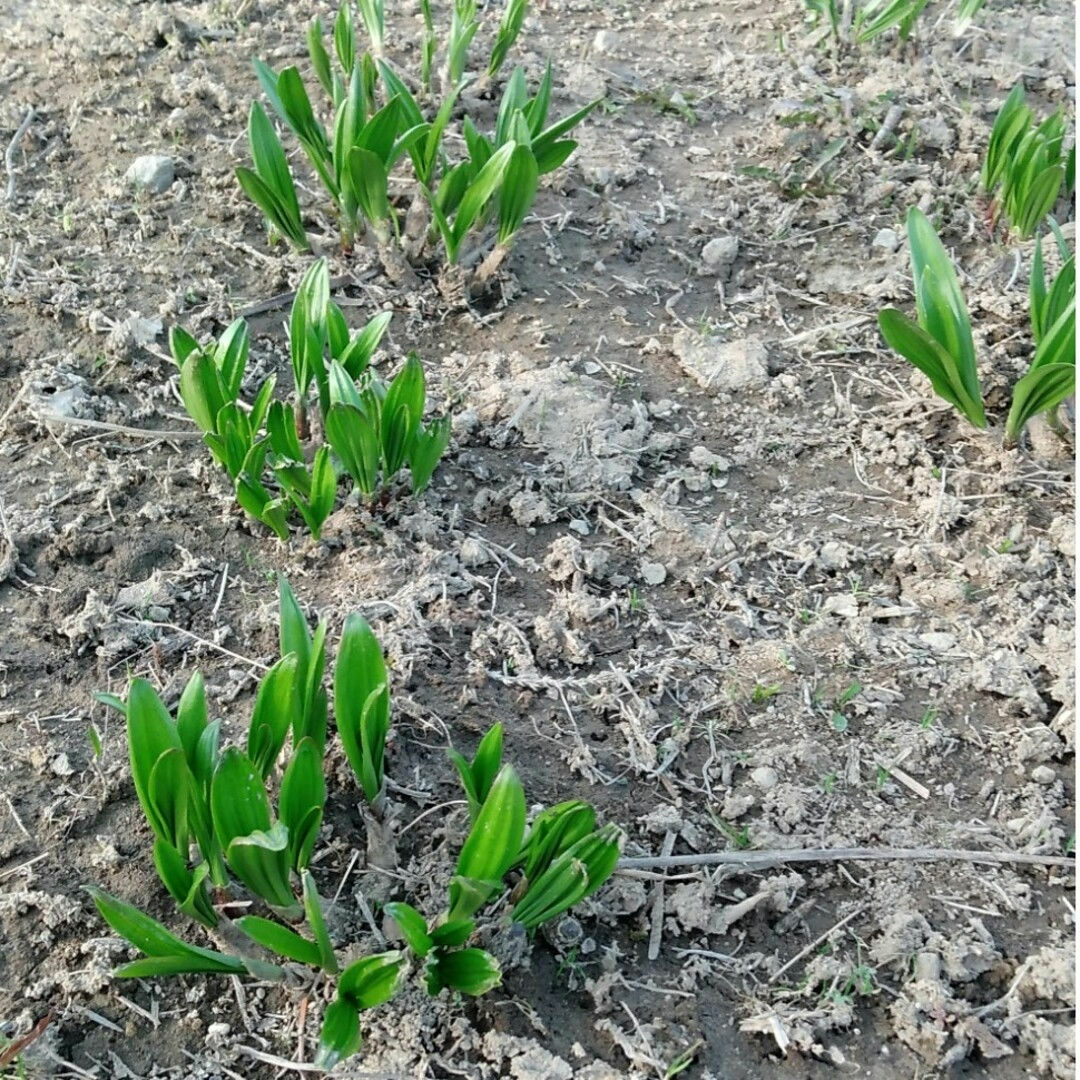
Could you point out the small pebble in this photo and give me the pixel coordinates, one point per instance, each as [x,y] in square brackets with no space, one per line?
[154,172]
[887,239]
[653,573]
[718,255]
[765,777]
[61,766]
[1043,774]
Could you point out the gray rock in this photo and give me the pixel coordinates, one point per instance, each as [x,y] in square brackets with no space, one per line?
[1043,774]
[154,172]
[765,777]
[722,365]
[718,255]
[887,239]
[653,573]
[605,42]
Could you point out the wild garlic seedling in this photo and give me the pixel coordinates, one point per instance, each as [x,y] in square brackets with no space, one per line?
[462,214]
[860,21]
[1051,377]
[212,818]
[372,429]
[939,344]
[1026,168]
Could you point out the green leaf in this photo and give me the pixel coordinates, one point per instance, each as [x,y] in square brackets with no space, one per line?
[153,939]
[356,443]
[256,851]
[368,181]
[186,886]
[340,1036]
[509,28]
[554,155]
[320,58]
[202,391]
[271,186]
[357,355]
[274,714]
[279,939]
[372,981]
[469,971]
[301,802]
[916,345]
[281,429]
[168,792]
[476,198]
[495,839]
[191,718]
[542,142]
[181,345]
[578,872]
[451,934]
[313,910]
[401,411]
[362,703]
[308,330]
[518,192]
[554,831]
[413,927]
[467,896]
[428,446]
[1050,379]
[151,733]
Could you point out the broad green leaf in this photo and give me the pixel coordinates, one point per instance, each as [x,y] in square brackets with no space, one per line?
[274,714]
[354,440]
[202,391]
[362,703]
[169,791]
[495,838]
[151,733]
[477,195]
[313,910]
[186,886]
[553,155]
[301,802]
[413,927]
[340,1036]
[401,412]
[577,873]
[368,181]
[449,935]
[261,861]
[357,355]
[230,355]
[518,192]
[153,939]
[181,345]
[372,981]
[554,831]
[280,939]
[469,971]
[916,345]
[191,718]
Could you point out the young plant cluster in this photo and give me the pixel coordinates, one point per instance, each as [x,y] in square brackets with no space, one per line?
[371,429]
[939,343]
[1026,169]
[216,822]
[866,20]
[464,212]
[859,21]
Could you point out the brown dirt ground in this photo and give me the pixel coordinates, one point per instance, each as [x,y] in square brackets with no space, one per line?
[667,592]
